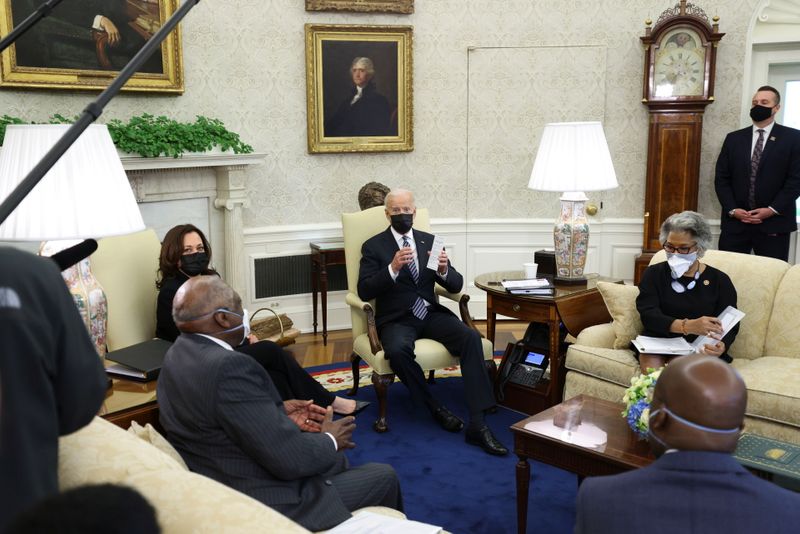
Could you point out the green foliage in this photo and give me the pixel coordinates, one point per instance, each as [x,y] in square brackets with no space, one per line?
[151,136]
[5,120]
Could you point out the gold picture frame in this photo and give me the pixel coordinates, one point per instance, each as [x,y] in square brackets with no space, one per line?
[363,6]
[84,45]
[371,113]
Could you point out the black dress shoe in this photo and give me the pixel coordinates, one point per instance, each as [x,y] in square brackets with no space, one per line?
[447,420]
[361,405]
[484,439]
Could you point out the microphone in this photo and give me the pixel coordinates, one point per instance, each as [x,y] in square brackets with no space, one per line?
[72,255]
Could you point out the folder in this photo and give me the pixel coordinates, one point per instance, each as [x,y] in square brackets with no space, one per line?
[140,362]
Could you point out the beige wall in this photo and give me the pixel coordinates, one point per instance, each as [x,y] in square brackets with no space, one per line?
[244,64]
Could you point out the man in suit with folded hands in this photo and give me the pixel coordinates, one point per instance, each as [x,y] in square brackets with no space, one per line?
[695,485]
[393,271]
[224,415]
[758,181]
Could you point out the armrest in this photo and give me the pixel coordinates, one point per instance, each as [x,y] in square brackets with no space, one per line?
[372,330]
[463,308]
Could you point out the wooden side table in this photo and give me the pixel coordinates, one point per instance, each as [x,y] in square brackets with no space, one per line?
[574,305]
[323,253]
[128,400]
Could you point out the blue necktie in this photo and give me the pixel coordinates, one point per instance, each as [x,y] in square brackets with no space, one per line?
[419,309]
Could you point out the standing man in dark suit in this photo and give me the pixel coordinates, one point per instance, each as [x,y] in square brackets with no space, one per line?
[225,417]
[758,181]
[695,485]
[393,271]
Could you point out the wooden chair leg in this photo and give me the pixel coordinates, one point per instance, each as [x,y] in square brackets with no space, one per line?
[430,377]
[382,383]
[354,361]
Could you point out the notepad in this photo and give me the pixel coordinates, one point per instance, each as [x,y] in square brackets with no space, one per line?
[729,318]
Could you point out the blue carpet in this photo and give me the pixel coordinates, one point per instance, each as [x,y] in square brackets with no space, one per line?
[457,486]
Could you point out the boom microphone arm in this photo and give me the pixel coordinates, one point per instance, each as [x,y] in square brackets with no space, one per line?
[41,12]
[91,113]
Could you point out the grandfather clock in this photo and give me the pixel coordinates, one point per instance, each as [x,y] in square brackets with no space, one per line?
[679,63]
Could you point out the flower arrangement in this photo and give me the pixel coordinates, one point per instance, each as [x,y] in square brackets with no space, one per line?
[637,401]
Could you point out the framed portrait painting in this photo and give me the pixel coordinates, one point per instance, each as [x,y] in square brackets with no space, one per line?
[358,88]
[83,45]
[365,6]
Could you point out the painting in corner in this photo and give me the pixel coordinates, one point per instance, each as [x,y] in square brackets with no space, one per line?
[364,6]
[83,45]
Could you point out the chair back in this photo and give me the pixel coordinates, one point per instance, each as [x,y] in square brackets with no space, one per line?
[126,267]
[358,227]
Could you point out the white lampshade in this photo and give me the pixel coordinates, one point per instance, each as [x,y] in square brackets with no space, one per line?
[85,195]
[573,156]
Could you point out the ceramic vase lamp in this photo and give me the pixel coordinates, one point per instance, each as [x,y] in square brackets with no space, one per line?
[86,194]
[572,158]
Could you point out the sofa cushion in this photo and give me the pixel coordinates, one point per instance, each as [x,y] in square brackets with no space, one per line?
[783,335]
[771,394]
[612,365]
[621,303]
[599,335]
[756,280]
[102,452]
[189,503]
[150,435]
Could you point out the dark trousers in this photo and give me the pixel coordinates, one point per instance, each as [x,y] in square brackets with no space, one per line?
[751,238]
[292,381]
[398,339]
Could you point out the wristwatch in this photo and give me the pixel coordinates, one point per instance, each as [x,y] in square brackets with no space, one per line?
[732,212]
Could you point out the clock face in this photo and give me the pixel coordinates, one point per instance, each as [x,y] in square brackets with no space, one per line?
[679,66]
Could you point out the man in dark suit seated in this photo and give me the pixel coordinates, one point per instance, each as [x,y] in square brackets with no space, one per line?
[393,271]
[695,485]
[758,181]
[225,417]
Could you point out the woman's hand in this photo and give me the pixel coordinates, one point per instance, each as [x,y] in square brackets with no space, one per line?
[716,350]
[252,339]
[704,326]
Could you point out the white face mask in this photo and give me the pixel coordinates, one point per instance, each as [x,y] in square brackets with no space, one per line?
[245,323]
[680,263]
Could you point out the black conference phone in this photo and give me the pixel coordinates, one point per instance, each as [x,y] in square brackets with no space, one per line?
[527,361]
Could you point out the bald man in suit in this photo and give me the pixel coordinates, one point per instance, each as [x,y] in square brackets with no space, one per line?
[225,417]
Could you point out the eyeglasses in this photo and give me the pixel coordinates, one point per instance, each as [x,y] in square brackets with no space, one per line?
[680,250]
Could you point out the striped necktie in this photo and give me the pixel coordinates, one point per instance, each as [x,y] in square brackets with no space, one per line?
[754,161]
[419,309]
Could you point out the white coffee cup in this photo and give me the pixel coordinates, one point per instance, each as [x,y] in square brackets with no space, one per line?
[530,270]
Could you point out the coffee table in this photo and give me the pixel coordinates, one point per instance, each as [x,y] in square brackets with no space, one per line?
[561,448]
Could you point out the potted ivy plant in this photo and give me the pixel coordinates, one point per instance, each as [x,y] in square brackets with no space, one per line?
[150,136]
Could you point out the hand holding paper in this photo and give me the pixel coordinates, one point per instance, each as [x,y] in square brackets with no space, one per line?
[435,258]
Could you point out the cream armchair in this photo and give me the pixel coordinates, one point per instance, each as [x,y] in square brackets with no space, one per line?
[357,228]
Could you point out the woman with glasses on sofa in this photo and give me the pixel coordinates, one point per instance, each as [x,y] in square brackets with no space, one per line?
[682,296]
[185,252]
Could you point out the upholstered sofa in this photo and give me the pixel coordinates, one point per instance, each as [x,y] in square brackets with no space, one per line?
[185,502]
[766,351]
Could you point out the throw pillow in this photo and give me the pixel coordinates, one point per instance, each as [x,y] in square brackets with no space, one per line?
[151,436]
[621,303]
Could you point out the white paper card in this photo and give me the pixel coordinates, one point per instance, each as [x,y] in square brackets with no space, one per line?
[436,249]
[729,318]
[372,523]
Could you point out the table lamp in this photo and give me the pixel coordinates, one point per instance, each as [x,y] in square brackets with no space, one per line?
[573,157]
[86,194]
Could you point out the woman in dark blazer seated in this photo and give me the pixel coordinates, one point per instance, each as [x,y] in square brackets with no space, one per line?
[681,296]
[185,252]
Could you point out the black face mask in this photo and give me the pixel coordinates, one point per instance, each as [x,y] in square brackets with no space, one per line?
[194,264]
[402,222]
[760,113]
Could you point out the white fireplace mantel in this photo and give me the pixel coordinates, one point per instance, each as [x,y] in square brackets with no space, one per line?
[219,177]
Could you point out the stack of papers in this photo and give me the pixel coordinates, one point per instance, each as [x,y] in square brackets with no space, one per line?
[372,523]
[532,286]
[729,317]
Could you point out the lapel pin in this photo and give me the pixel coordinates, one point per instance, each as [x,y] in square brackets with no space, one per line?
[772,138]
[706,282]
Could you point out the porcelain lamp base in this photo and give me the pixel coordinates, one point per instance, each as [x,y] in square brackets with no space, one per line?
[571,239]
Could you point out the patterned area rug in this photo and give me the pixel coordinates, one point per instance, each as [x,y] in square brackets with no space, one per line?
[339,376]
